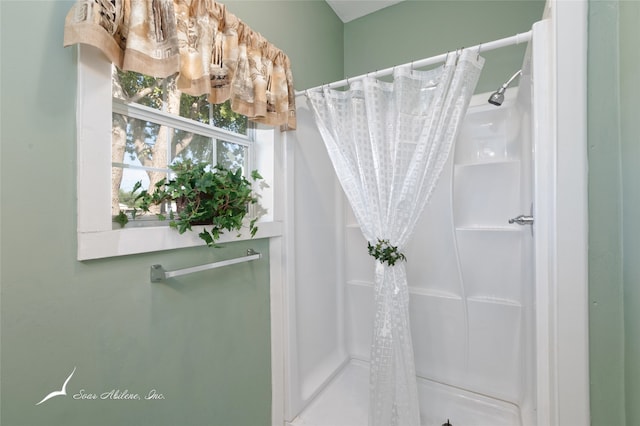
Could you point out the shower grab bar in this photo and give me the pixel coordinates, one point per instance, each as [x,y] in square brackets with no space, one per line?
[159,274]
[484,47]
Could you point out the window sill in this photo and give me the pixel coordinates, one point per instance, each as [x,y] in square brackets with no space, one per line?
[120,242]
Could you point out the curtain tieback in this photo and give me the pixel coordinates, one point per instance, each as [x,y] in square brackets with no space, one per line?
[384,252]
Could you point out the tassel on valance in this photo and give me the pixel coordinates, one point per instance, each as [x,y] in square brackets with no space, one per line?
[212,50]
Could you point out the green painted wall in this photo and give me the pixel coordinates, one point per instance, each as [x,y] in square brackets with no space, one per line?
[203,341]
[630,154]
[614,208]
[307,30]
[606,321]
[418,29]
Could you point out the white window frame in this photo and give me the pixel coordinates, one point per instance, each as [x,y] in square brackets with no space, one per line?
[148,114]
[95,233]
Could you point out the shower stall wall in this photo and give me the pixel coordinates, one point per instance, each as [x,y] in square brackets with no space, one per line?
[470,273]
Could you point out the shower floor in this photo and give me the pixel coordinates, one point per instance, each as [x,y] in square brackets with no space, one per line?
[344,402]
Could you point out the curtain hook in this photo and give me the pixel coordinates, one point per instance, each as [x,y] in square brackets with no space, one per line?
[411,68]
[458,54]
[478,56]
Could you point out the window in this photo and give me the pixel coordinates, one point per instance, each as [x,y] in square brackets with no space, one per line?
[127,132]
[156,125]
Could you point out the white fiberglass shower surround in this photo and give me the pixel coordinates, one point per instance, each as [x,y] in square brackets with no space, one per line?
[473,276]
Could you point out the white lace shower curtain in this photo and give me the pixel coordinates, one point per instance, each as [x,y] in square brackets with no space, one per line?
[388,143]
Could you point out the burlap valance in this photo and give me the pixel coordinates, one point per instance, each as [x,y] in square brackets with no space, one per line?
[213,51]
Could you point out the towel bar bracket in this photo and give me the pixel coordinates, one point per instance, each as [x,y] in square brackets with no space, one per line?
[157,273]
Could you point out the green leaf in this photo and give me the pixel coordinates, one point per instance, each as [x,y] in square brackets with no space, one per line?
[121,218]
[206,236]
[143,194]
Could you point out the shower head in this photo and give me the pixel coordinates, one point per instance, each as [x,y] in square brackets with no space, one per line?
[497,97]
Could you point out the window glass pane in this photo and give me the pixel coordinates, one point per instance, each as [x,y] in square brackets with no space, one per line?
[224,118]
[139,142]
[196,108]
[163,94]
[122,197]
[231,155]
[128,178]
[192,146]
[142,89]
[139,151]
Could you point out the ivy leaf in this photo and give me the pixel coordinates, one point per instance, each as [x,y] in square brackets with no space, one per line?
[206,236]
[143,194]
[121,218]
[253,227]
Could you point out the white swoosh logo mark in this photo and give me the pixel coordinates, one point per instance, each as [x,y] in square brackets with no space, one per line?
[62,391]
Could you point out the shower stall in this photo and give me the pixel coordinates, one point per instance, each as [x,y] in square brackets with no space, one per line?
[471,268]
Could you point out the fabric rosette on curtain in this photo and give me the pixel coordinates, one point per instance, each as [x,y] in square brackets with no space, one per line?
[212,50]
[388,143]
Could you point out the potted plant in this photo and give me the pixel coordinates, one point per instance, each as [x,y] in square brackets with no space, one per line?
[202,195]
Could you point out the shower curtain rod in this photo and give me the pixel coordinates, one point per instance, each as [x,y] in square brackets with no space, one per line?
[484,47]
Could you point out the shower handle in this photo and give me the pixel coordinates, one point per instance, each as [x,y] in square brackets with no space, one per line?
[522,220]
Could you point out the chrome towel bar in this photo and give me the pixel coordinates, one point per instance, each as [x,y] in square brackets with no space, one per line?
[158,273]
